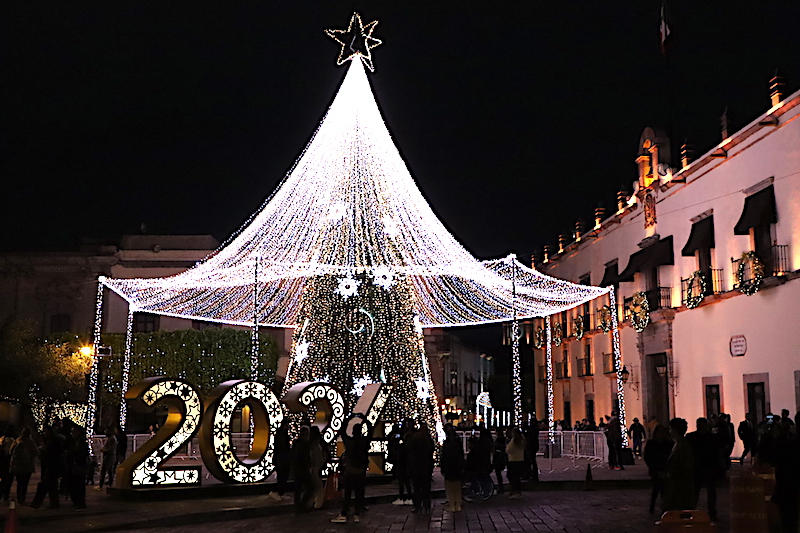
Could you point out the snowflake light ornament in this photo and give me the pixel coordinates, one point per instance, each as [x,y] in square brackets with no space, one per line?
[347,287]
[423,388]
[301,352]
[383,277]
[417,325]
[359,385]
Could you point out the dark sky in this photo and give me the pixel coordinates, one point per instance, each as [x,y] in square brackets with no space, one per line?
[515,118]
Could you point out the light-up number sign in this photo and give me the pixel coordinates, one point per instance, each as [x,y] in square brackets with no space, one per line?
[145,466]
[215,432]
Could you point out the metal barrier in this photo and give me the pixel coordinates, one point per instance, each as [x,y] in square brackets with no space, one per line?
[190,450]
[590,445]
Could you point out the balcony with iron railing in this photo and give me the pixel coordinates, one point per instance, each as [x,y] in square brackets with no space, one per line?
[585,367]
[562,370]
[658,298]
[608,363]
[713,280]
[775,261]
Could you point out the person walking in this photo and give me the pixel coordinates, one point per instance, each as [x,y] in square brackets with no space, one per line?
[122,443]
[499,458]
[355,463]
[749,437]
[23,462]
[515,450]
[318,460]
[656,454]
[452,467]
[76,463]
[532,449]
[708,461]
[397,456]
[51,456]
[109,461]
[6,477]
[283,461]
[301,466]
[679,481]
[636,433]
[420,467]
[614,440]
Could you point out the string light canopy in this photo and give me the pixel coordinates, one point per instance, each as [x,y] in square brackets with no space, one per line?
[349,216]
[348,205]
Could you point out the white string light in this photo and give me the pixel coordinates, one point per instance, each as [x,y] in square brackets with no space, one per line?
[551,422]
[91,408]
[618,365]
[126,370]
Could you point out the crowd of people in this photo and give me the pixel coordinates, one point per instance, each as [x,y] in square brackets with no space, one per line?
[65,462]
[681,464]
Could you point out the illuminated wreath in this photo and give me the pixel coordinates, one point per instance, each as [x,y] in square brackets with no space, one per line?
[696,290]
[538,338]
[578,327]
[640,311]
[750,287]
[558,334]
[605,318]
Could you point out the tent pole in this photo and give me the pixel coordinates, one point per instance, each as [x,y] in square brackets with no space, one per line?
[91,408]
[254,334]
[516,363]
[551,423]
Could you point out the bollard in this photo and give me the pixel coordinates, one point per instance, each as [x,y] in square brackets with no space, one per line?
[588,484]
[11,519]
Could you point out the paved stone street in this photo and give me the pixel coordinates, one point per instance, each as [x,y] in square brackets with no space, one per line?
[617,511]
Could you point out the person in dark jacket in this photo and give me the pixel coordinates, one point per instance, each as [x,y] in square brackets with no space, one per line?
[51,455]
[679,483]
[499,458]
[532,448]
[301,466]
[397,456]
[749,436]
[419,456]
[636,432]
[283,461]
[707,463]
[656,453]
[76,461]
[122,443]
[354,466]
[614,440]
[452,467]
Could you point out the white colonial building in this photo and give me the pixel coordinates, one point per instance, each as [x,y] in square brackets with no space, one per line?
[689,244]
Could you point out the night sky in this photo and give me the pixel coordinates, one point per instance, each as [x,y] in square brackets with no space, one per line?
[516,119]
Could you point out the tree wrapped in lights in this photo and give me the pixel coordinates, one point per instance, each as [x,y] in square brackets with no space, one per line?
[360,329]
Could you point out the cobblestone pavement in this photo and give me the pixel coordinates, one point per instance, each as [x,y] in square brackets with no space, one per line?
[612,511]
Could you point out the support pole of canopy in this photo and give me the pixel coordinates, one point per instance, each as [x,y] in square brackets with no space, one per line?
[618,365]
[254,335]
[126,369]
[91,408]
[516,363]
[551,422]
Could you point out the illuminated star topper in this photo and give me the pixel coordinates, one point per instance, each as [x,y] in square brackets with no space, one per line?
[356,41]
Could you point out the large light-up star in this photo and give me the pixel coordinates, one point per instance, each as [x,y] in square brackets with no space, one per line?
[356,41]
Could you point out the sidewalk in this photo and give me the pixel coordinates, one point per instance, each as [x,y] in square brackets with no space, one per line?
[106,513]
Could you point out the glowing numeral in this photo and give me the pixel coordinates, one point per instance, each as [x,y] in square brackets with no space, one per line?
[144,467]
[328,402]
[215,433]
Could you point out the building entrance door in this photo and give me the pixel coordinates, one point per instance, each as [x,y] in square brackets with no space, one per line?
[756,402]
[658,388]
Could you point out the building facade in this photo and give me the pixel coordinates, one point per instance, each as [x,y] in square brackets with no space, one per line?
[704,256]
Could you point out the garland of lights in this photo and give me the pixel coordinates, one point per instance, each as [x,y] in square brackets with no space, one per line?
[551,421]
[515,358]
[751,286]
[538,338]
[578,327]
[558,334]
[696,290]
[618,367]
[640,311]
[604,314]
